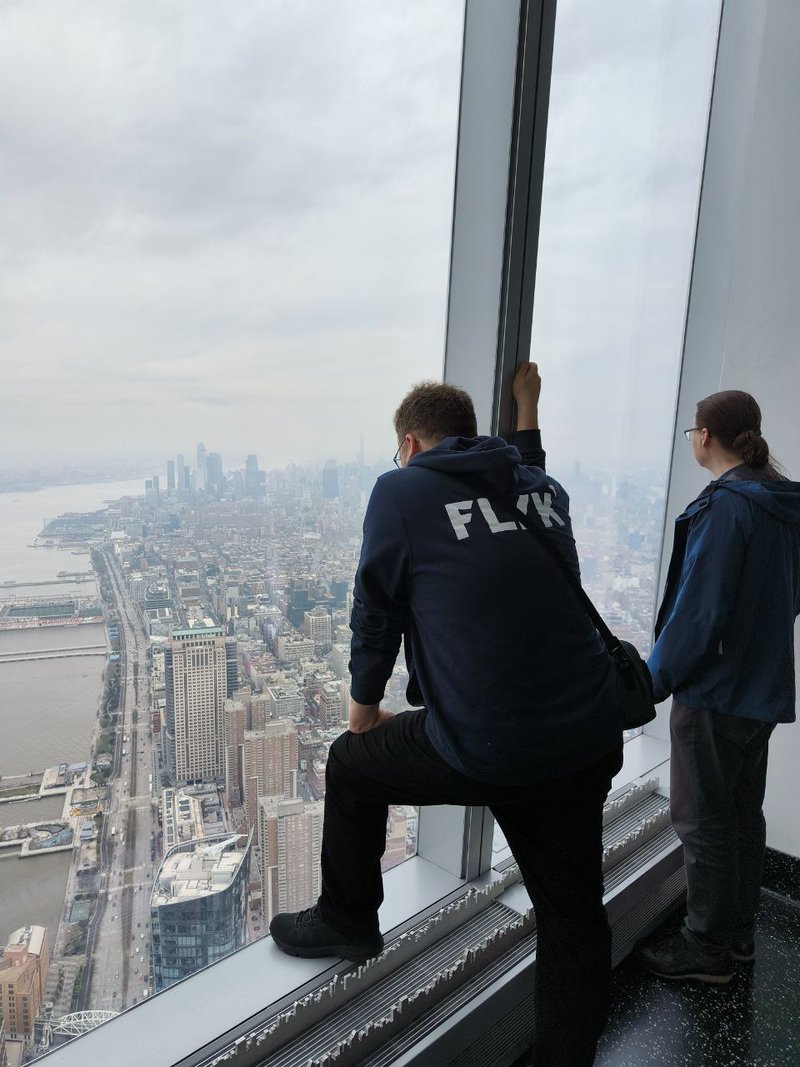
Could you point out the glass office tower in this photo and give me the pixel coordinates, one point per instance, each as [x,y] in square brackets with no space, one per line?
[198,908]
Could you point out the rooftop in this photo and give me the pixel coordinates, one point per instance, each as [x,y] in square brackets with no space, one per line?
[30,936]
[199,870]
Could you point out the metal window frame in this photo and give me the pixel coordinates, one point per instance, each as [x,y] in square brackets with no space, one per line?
[502,134]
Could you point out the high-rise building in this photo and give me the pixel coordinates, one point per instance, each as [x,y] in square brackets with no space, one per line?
[198,907]
[269,766]
[196,685]
[260,711]
[330,481]
[216,483]
[202,458]
[291,647]
[252,479]
[23,977]
[332,703]
[291,837]
[235,726]
[170,476]
[317,626]
[231,666]
[285,702]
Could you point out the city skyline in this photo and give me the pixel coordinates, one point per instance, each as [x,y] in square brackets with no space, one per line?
[263,588]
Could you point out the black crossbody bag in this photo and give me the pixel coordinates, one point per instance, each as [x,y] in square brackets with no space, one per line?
[638,701]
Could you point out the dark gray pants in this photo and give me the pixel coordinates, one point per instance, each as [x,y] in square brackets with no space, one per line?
[718,778]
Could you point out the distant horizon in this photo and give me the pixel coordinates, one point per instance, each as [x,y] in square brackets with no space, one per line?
[563,473]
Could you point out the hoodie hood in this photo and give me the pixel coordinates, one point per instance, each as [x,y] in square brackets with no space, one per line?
[781,499]
[490,457]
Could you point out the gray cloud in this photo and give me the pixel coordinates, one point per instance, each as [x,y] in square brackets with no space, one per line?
[232,222]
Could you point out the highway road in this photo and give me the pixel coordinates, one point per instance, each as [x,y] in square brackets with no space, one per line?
[119,970]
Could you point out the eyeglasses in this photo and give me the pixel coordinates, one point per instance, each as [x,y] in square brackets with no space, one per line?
[692,429]
[396,458]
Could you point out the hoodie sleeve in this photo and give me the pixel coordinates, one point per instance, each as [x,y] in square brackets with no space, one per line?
[715,552]
[380,601]
[529,443]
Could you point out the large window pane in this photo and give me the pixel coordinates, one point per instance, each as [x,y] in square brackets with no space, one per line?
[625,144]
[226,235]
[626,138]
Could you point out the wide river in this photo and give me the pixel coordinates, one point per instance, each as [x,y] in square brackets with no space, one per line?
[47,707]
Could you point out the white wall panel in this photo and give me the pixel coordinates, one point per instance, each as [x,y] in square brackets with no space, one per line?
[743,327]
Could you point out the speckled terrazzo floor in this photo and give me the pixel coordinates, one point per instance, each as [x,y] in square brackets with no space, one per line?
[753,1022]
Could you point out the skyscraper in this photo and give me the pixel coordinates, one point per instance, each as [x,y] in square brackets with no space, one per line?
[269,766]
[201,467]
[235,725]
[196,684]
[216,483]
[252,480]
[170,476]
[198,907]
[330,481]
[291,836]
[231,666]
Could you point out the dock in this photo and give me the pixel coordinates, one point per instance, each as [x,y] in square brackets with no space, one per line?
[53,653]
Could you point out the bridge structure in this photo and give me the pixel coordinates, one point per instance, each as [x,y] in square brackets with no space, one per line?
[73,1025]
[53,653]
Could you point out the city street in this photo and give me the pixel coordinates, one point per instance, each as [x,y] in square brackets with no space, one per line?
[119,970]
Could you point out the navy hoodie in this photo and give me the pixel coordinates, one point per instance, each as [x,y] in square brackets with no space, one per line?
[517,683]
[725,631]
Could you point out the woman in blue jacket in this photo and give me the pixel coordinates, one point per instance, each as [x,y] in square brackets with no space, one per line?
[725,652]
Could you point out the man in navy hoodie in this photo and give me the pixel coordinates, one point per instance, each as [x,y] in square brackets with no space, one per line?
[519,702]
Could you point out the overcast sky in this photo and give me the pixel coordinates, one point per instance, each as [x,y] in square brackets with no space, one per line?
[230,222]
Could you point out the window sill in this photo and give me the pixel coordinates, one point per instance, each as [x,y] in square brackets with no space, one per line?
[234,994]
[173,1026]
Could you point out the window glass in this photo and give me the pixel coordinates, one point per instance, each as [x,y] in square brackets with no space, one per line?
[226,233]
[625,143]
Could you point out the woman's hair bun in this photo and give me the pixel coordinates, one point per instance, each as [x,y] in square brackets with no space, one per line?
[752,447]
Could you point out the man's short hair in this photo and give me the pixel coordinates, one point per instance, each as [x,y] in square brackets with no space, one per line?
[433,411]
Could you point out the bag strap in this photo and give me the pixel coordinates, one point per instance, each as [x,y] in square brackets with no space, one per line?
[609,640]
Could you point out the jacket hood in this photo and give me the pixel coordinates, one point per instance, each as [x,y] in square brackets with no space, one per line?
[780,498]
[490,457]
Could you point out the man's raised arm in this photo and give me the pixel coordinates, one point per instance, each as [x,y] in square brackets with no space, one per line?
[527,387]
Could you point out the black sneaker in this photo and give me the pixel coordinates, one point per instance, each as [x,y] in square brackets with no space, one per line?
[744,951]
[305,933]
[677,959]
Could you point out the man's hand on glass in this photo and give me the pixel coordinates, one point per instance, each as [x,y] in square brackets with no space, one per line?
[364,717]
[526,388]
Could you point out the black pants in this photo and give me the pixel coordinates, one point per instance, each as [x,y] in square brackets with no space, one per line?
[718,778]
[553,829]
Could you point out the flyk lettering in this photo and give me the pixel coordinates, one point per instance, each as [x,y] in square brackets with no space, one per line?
[460,514]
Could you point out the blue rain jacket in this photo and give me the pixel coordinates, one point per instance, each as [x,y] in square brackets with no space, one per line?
[725,631]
